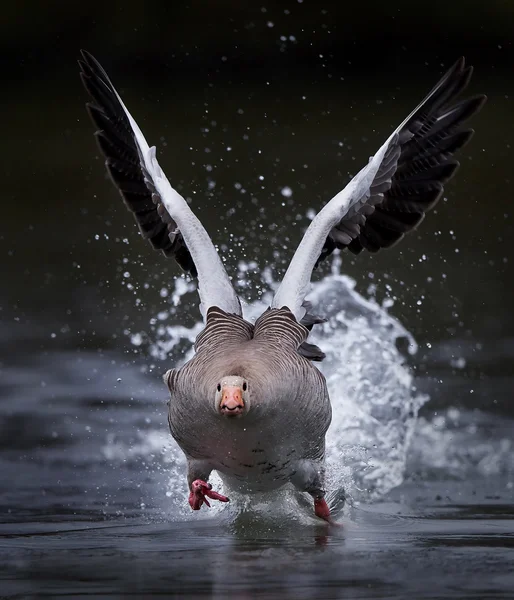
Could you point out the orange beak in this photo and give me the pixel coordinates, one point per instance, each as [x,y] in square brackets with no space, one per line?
[232,403]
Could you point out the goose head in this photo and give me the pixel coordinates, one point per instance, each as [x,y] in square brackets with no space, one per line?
[232,396]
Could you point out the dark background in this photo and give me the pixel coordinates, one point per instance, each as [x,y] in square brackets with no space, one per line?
[302,93]
[91,497]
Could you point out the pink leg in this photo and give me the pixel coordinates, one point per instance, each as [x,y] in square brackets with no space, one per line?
[321,510]
[199,490]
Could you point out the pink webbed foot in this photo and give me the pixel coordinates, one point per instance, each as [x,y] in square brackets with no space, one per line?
[322,511]
[200,491]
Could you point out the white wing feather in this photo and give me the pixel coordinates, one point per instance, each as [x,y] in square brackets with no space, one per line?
[296,282]
[432,123]
[214,286]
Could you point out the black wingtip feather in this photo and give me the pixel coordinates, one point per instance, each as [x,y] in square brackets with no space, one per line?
[427,142]
[118,144]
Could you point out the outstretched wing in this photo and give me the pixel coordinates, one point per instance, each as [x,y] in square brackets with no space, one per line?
[391,195]
[163,216]
[405,188]
[123,161]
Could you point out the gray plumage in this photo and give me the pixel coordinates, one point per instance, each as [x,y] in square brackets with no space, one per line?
[250,403]
[254,453]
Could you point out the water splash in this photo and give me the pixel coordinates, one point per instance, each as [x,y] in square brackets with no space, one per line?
[463,445]
[374,406]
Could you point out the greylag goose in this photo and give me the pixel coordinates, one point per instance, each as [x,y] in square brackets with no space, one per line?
[251,404]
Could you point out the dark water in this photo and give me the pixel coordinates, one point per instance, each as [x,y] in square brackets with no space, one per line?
[92,496]
[94,503]
[452,551]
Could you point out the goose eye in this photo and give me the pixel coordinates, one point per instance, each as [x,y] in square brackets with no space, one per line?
[244,386]
[218,387]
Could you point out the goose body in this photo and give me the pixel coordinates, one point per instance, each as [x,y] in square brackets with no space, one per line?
[251,404]
[252,453]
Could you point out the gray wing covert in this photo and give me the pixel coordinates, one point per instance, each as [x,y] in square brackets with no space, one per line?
[222,327]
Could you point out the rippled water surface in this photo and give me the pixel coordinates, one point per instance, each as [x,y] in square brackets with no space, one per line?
[94,497]
[446,551]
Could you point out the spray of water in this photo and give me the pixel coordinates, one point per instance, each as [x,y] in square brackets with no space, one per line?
[374,406]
